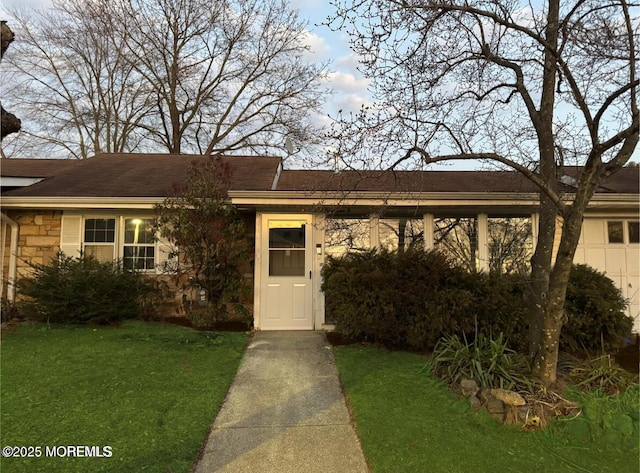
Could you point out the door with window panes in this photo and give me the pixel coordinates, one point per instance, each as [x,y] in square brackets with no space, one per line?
[286,297]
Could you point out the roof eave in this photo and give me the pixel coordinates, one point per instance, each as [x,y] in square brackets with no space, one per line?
[80,202]
[299,198]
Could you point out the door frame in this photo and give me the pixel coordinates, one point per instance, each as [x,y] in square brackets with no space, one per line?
[262,261]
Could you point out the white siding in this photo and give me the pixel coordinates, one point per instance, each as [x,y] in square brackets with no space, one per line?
[620,261]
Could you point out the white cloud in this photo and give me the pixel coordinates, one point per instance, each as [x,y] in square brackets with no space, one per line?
[319,48]
[350,103]
[347,82]
[350,62]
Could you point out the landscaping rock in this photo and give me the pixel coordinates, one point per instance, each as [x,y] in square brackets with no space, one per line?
[484,394]
[469,387]
[476,404]
[494,406]
[510,398]
[567,408]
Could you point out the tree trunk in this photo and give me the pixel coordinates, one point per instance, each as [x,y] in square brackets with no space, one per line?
[9,123]
[546,361]
[540,296]
[537,295]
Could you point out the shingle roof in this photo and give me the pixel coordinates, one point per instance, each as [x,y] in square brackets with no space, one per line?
[405,181]
[21,167]
[156,175]
[145,175]
[624,181]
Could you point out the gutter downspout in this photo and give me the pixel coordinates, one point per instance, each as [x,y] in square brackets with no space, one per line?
[13,258]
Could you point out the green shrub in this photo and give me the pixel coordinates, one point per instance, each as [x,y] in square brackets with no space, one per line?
[498,308]
[595,311]
[412,299]
[406,300]
[82,290]
[487,361]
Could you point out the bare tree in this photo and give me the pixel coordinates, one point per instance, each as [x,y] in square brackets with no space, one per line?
[530,86]
[181,76]
[227,75]
[76,88]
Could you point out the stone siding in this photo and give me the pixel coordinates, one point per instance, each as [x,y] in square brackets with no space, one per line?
[39,237]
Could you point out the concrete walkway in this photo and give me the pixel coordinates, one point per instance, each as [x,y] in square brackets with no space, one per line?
[285,412]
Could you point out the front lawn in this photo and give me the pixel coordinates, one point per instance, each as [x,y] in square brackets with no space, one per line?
[147,391]
[411,422]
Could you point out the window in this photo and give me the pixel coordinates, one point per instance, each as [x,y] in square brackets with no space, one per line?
[99,238]
[457,237]
[346,235]
[401,233]
[287,247]
[510,244]
[139,244]
[615,231]
[623,231]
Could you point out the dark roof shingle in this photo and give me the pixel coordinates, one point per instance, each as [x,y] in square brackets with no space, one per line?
[23,167]
[157,175]
[145,175]
[624,181]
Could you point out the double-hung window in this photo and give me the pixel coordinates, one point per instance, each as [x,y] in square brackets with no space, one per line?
[100,238]
[130,240]
[139,244]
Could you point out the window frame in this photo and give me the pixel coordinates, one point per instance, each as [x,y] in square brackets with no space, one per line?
[113,244]
[120,237]
[123,243]
[626,233]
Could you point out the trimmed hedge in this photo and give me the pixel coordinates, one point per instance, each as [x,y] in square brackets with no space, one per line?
[395,299]
[82,290]
[412,299]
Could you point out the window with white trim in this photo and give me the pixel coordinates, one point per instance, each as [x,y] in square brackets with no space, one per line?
[100,238]
[346,235]
[401,233]
[129,239]
[139,244]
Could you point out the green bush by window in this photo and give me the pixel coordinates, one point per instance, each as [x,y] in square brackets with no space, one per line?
[412,299]
[407,299]
[82,290]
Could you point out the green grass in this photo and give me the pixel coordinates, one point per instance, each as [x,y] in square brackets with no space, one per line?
[411,422]
[149,391]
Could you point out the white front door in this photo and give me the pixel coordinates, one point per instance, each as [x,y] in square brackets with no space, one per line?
[286,289]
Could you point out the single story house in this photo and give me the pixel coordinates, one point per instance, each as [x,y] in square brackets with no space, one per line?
[484,219]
